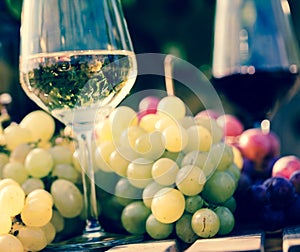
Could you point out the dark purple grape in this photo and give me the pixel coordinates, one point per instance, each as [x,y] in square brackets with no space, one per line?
[255,173]
[248,167]
[243,184]
[295,179]
[293,211]
[280,191]
[258,195]
[272,219]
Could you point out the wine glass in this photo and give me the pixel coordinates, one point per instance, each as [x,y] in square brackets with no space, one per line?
[255,57]
[77,62]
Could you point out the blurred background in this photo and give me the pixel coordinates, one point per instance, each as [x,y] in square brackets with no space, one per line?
[181,28]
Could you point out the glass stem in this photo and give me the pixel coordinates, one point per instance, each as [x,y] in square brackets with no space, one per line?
[88,181]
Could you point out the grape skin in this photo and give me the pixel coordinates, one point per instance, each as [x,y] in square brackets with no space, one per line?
[16,171]
[139,172]
[168,205]
[164,171]
[39,163]
[67,198]
[190,180]
[184,229]
[10,243]
[32,184]
[205,223]
[6,223]
[32,238]
[12,199]
[157,229]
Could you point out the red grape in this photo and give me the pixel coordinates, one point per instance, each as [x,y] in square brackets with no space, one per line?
[232,125]
[285,166]
[254,145]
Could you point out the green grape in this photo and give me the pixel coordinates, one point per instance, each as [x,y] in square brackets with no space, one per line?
[58,221]
[205,223]
[118,160]
[120,119]
[149,121]
[49,231]
[66,171]
[157,229]
[226,218]
[164,171]
[36,213]
[15,135]
[61,155]
[231,204]
[149,191]
[233,170]
[10,243]
[4,159]
[193,203]
[172,106]
[184,229]
[168,205]
[6,223]
[102,155]
[222,155]
[176,138]
[139,172]
[32,238]
[165,121]
[7,181]
[151,145]
[199,138]
[67,198]
[237,157]
[126,193]
[40,195]
[12,199]
[190,180]
[219,187]
[134,217]
[129,136]
[32,184]
[103,131]
[16,171]
[200,159]
[187,122]
[37,210]
[212,126]
[39,163]
[20,152]
[40,124]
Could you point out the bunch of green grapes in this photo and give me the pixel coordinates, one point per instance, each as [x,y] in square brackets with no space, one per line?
[39,184]
[176,173]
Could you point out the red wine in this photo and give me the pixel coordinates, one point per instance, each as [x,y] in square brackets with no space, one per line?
[256,96]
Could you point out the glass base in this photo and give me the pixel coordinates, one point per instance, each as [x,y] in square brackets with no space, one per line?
[94,241]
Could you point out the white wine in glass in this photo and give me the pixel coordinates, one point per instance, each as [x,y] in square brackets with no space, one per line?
[77,63]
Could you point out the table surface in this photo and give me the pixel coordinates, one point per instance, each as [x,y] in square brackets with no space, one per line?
[285,240]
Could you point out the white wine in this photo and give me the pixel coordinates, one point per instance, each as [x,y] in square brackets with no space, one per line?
[75,85]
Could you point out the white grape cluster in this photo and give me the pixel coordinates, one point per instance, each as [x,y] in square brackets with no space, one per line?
[175,170]
[32,212]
